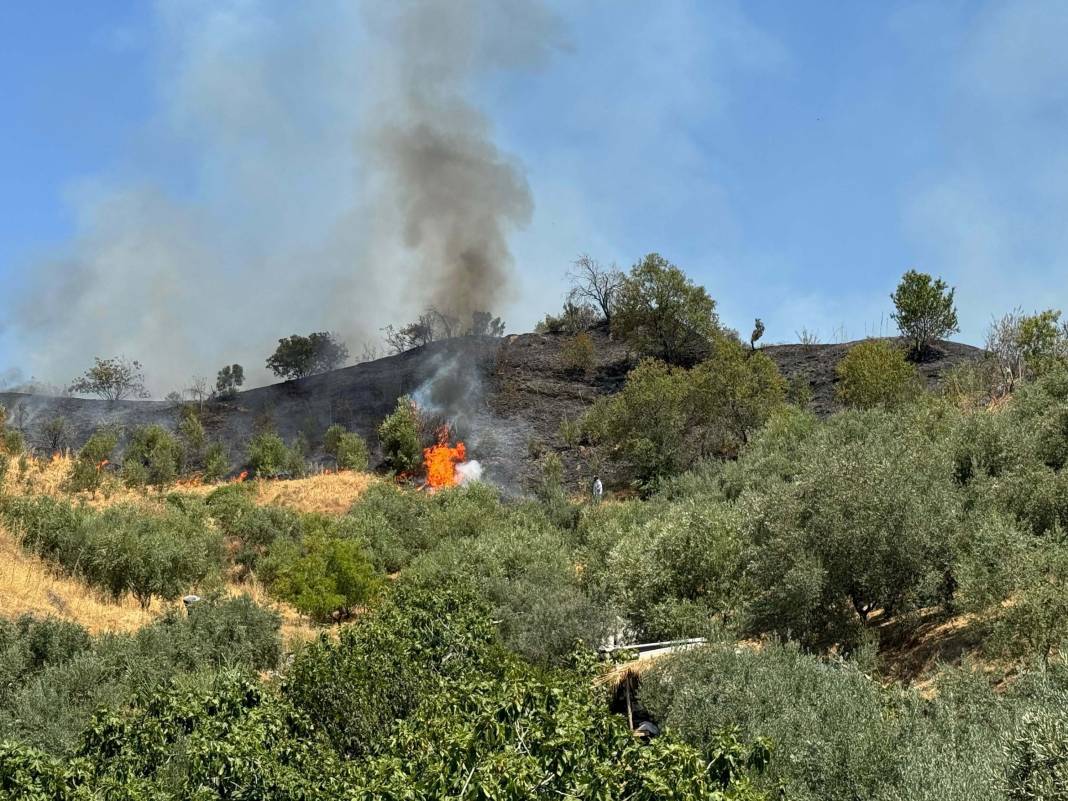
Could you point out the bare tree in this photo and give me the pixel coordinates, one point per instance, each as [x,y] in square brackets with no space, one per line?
[444,325]
[1004,346]
[591,283]
[199,390]
[56,433]
[369,353]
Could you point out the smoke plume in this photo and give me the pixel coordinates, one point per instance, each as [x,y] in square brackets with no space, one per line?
[307,167]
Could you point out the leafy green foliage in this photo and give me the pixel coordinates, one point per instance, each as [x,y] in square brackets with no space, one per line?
[87,471]
[577,355]
[837,734]
[574,319]
[418,640]
[875,374]
[321,576]
[924,310]
[112,379]
[153,456]
[709,410]
[298,356]
[1041,341]
[861,526]
[121,549]
[399,436]
[661,313]
[269,457]
[348,448]
[229,381]
[1038,758]
[59,677]
[1020,582]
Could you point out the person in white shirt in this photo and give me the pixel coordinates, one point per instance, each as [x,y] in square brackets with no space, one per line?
[598,489]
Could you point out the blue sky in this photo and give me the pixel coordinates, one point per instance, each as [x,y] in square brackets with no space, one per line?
[795,158]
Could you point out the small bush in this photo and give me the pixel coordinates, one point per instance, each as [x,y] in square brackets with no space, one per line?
[399,436]
[924,311]
[216,463]
[574,319]
[322,577]
[269,457]
[153,457]
[12,442]
[1037,767]
[348,449]
[707,411]
[577,355]
[876,374]
[87,473]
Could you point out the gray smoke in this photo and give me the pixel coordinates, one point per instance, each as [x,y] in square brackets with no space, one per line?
[453,196]
[319,166]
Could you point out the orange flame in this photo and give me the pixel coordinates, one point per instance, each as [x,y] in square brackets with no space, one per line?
[243,475]
[441,460]
[103,463]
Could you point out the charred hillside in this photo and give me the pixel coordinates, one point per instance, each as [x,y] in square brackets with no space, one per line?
[507,397]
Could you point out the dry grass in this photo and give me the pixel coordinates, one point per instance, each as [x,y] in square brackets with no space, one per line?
[325,493]
[29,585]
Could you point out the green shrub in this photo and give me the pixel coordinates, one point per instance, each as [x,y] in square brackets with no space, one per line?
[322,577]
[525,569]
[348,449]
[87,472]
[577,356]
[254,528]
[12,442]
[861,526]
[58,691]
[1038,758]
[399,436]
[268,457]
[573,319]
[1020,584]
[924,310]
[393,523]
[661,313]
[837,734]
[121,549]
[708,411]
[216,463]
[874,374]
[419,639]
[689,552]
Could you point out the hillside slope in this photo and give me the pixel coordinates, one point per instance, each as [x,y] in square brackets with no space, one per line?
[508,397]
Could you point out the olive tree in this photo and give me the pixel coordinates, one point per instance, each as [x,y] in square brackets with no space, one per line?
[112,379]
[299,356]
[662,313]
[924,311]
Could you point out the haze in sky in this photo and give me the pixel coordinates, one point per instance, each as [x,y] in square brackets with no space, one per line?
[184,182]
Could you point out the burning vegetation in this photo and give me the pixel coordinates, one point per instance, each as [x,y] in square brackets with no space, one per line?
[442,461]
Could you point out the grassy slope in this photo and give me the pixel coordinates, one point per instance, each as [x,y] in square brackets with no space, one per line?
[29,585]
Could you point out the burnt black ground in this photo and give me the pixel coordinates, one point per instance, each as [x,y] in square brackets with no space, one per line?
[508,397]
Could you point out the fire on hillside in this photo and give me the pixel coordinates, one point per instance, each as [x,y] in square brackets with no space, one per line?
[446,465]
